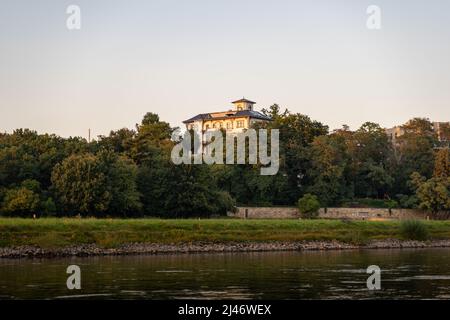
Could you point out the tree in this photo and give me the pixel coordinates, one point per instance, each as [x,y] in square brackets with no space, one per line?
[121,180]
[347,164]
[433,194]
[309,206]
[371,153]
[377,183]
[80,185]
[419,126]
[442,164]
[20,202]
[96,184]
[118,141]
[329,164]
[414,153]
[24,154]
[171,190]
[297,132]
[153,138]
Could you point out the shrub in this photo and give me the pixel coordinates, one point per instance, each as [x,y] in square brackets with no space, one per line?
[414,230]
[407,202]
[309,206]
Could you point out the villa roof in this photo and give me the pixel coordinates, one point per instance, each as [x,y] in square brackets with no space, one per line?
[244,100]
[201,116]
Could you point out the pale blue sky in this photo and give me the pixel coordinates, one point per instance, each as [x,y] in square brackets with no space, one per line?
[181,58]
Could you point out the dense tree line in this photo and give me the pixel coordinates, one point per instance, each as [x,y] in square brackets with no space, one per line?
[129,173]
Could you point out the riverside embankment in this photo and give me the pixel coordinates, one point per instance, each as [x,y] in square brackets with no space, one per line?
[79,237]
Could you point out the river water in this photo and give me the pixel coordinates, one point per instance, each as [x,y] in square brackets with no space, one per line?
[405,274]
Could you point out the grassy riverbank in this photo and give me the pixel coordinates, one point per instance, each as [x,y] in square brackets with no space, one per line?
[109,233]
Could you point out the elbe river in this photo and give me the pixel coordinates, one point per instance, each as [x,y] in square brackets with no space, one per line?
[405,274]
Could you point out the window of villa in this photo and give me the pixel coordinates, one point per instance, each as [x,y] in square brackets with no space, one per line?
[239,124]
[229,125]
[207,126]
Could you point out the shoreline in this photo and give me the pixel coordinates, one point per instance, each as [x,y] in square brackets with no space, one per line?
[91,250]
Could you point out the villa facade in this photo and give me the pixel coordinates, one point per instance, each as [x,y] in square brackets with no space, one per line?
[242,116]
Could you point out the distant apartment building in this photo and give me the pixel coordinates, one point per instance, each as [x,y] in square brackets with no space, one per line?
[398,131]
[394,133]
[439,128]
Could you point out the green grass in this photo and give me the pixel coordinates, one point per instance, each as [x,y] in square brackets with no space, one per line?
[58,232]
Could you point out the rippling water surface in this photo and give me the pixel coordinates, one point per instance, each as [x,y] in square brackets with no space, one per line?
[421,273]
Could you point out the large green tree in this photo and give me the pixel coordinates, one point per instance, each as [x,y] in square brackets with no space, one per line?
[330,164]
[414,153]
[297,132]
[100,184]
[433,194]
[20,202]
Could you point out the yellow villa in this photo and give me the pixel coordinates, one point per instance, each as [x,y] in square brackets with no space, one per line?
[241,117]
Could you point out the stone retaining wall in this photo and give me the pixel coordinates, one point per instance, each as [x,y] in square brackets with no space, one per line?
[266,213]
[329,213]
[371,213]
